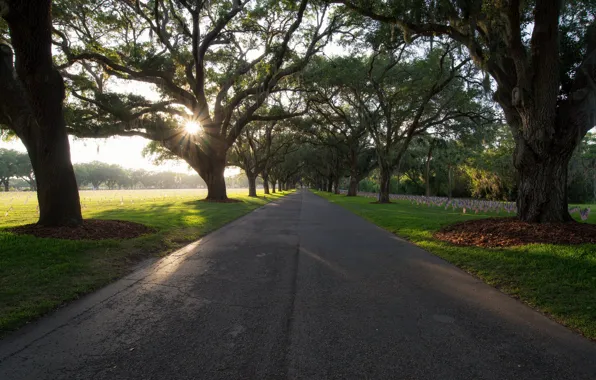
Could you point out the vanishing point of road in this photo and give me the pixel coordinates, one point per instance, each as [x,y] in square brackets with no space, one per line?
[299,289]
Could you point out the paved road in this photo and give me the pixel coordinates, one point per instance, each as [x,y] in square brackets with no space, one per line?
[299,289]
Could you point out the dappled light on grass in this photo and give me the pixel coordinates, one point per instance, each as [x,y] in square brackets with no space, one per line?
[559,280]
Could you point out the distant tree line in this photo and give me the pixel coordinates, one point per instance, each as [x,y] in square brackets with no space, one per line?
[468,169]
[15,166]
[98,175]
[16,173]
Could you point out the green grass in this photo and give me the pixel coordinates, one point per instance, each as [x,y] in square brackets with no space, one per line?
[37,275]
[559,280]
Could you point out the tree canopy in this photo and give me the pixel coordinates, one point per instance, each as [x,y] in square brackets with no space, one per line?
[333,93]
[215,63]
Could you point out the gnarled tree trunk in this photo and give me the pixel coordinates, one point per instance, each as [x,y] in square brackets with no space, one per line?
[211,169]
[214,178]
[210,165]
[353,188]
[57,190]
[252,185]
[542,186]
[427,169]
[265,182]
[541,158]
[384,183]
[336,185]
[546,127]
[450,183]
[31,101]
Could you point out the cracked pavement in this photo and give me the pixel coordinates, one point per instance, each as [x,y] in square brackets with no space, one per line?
[299,289]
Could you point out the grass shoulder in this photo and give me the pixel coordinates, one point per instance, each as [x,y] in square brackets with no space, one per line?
[38,275]
[558,280]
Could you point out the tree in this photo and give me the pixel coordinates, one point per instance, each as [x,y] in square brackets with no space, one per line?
[24,170]
[582,171]
[286,172]
[8,166]
[214,63]
[96,173]
[31,106]
[399,99]
[337,122]
[542,57]
[257,148]
[490,169]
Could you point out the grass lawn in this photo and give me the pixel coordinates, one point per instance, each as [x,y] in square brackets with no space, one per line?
[37,275]
[557,280]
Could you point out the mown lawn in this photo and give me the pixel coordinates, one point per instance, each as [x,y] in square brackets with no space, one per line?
[557,280]
[37,275]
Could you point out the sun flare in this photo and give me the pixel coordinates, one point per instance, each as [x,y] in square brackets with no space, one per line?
[192,127]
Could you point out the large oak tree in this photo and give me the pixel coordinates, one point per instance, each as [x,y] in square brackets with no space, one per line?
[31,97]
[213,62]
[541,54]
[398,96]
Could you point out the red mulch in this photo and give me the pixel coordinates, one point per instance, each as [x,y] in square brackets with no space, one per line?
[507,232]
[91,229]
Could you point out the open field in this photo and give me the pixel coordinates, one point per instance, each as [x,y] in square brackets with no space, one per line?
[559,280]
[37,275]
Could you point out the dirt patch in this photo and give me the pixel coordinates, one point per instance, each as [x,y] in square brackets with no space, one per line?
[91,229]
[507,232]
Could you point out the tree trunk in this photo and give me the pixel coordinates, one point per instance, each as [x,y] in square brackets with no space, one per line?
[427,178]
[385,181]
[336,185]
[594,189]
[57,189]
[252,185]
[450,183]
[265,183]
[35,99]
[541,159]
[427,169]
[330,184]
[212,172]
[6,185]
[546,127]
[542,189]
[353,188]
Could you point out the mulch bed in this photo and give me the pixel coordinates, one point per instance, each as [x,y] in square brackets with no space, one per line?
[91,229]
[507,232]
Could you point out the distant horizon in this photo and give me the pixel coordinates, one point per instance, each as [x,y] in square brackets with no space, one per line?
[123,151]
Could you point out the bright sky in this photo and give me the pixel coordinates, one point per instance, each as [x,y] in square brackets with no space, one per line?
[124,151]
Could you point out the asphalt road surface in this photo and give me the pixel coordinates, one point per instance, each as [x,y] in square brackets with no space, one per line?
[299,289]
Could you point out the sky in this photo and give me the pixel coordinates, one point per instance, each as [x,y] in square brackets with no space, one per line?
[124,151]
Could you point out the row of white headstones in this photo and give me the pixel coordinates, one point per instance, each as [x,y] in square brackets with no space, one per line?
[467,205]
